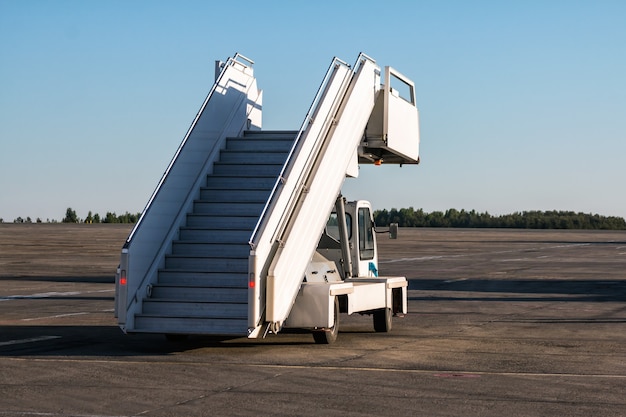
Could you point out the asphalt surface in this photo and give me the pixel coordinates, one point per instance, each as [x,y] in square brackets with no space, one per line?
[501,322]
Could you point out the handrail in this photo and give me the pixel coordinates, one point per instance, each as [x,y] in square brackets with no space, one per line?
[248,60]
[307,120]
[304,176]
[314,181]
[229,61]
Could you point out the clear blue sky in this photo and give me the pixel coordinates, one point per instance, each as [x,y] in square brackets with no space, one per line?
[522,104]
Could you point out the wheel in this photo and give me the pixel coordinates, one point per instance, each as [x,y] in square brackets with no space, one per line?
[328,336]
[382,320]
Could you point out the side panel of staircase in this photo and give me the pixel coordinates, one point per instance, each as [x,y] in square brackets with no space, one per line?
[323,185]
[284,196]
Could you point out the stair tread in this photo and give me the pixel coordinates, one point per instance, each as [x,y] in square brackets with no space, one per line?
[174,300]
[210,229]
[208,242]
[196,256]
[193,285]
[203,288]
[192,325]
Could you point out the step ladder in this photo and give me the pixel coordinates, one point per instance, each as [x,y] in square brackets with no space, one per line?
[203,288]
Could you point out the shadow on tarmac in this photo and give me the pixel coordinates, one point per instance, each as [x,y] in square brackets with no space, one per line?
[110,341]
[97,279]
[521,290]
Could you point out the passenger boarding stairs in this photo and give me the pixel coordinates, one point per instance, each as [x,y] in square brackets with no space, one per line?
[223,244]
[203,287]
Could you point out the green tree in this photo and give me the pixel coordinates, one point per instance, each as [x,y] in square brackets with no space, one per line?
[70,216]
[110,218]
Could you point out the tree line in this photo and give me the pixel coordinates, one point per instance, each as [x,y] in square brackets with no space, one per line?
[409,217]
[72,217]
[110,217]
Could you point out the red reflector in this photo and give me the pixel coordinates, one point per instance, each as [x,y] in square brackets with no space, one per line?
[251,284]
[123,278]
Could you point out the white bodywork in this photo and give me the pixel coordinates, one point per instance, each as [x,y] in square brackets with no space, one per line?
[363,293]
[353,119]
[313,204]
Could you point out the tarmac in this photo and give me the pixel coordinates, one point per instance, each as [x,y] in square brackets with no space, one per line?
[501,322]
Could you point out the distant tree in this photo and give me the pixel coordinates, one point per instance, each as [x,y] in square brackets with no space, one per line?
[38,220]
[110,218]
[96,218]
[70,216]
[124,218]
[1,220]
[437,219]
[18,220]
[89,218]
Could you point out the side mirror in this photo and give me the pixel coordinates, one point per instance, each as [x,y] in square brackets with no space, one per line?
[393,231]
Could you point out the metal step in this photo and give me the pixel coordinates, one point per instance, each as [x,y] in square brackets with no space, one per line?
[203,286]
[220,222]
[234,195]
[230,235]
[213,250]
[271,134]
[246,170]
[205,264]
[220,182]
[203,279]
[253,157]
[168,308]
[199,294]
[228,209]
[190,325]
[260,145]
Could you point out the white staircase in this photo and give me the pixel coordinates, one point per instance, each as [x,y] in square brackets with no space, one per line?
[203,287]
[223,244]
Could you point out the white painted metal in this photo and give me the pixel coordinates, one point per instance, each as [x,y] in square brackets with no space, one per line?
[185,272]
[401,119]
[233,104]
[375,293]
[265,240]
[315,304]
[319,190]
[322,270]
[392,135]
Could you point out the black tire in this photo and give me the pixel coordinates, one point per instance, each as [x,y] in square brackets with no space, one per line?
[382,320]
[328,336]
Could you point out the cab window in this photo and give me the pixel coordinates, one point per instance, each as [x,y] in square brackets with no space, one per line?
[332,226]
[366,234]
